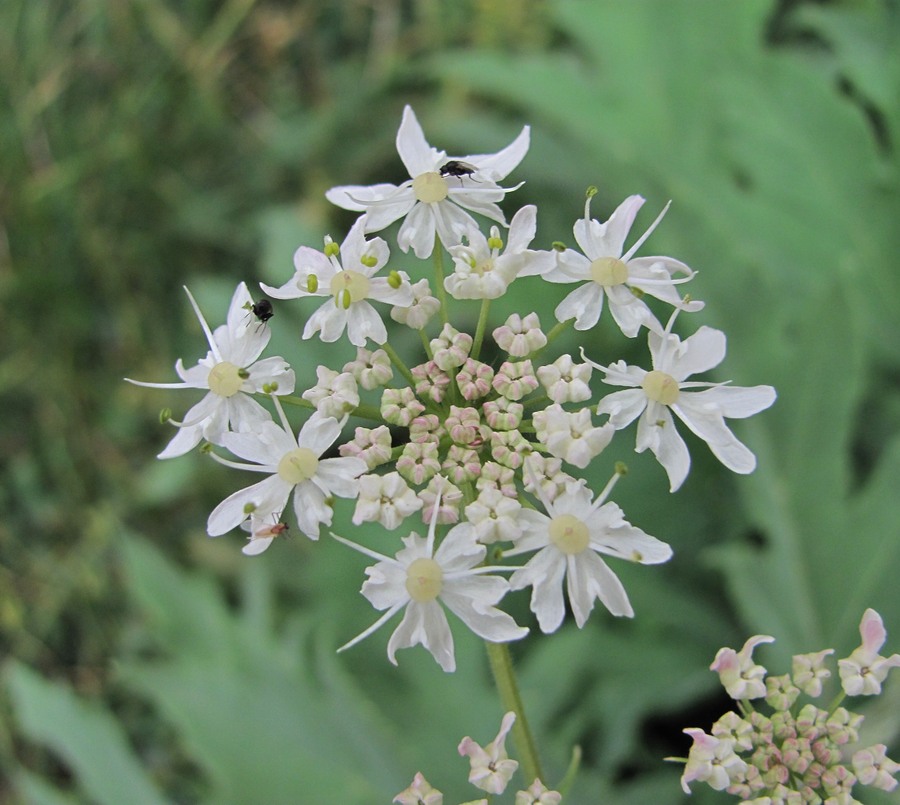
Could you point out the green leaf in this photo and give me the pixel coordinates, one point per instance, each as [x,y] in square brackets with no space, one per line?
[85,736]
[267,714]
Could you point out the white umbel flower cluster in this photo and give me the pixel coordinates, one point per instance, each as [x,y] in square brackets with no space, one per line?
[483,438]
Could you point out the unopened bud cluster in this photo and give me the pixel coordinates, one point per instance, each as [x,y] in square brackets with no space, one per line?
[797,751]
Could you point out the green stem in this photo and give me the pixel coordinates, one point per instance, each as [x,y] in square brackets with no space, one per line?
[479,330]
[439,279]
[290,399]
[426,344]
[508,688]
[398,363]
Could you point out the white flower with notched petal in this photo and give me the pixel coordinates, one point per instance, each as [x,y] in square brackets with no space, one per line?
[481,271]
[347,276]
[419,579]
[231,373]
[293,465]
[608,271]
[435,199]
[665,390]
[569,540]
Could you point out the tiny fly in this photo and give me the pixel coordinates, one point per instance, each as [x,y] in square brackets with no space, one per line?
[457,168]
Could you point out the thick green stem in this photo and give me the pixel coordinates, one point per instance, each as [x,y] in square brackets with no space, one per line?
[507,687]
[399,365]
[479,330]
[440,290]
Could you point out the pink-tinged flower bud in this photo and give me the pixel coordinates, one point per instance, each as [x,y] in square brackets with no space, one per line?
[873,767]
[418,463]
[474,379]
[509,448]
[865,669]
[843,726]
[464,426]
[496,476]
[712,761]
[544,477]
[451,497]
[335,394]
[372,445]
[491,769]
[503,414]
[808,671]
[515,380]
[431,381]
[426,428]
[495,517]
[451,348]
[519,337]
[371,369]
[400,406]
[461,464]
[781,692]
[565,380]
[419,793]
[571,436]
[385,499]
[732,726]
[421,311]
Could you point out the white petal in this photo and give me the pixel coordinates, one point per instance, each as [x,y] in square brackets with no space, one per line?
[359,197]
[666,444]
[329,319]
[698,353]
[589,577]
[544,573]
[584,304]
[736,402]
[340,475]
[310,508]
[623,407]
[185,440]
[268,496]
[522,229]
[710,426]
[488,622]
[425,624]
[363,322]
[415,152]
[498,166]
[628,311]
[608,239]
[256,546]
[418,231]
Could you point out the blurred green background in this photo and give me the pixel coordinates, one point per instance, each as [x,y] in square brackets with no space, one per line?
[148,144]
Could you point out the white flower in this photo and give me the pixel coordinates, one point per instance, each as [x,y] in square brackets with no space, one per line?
[419,792]
[520,336]
[386,499]
[347,277]
[657,394]
[293,465]
[571,436]
[569,540]
[433,201]
[419,579]
[607,271]
[711,760]
[740,676]
[482,272]
[865,669]
[491,768]
[231,373]
[565,380]
[538,794]
[422,309]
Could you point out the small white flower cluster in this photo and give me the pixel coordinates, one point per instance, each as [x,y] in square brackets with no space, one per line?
[799,753]
[490,769]
[490,447]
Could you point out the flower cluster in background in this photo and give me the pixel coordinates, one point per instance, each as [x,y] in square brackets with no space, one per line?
[470,454]
[797,751]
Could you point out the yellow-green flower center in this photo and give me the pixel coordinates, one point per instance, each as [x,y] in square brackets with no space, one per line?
[348,287]
[430,187]
[660,387]
[569,534]
[225,379]
[609,271]
[299,465]
[424,580]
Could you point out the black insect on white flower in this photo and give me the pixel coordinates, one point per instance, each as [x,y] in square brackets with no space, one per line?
[458,168]
[262,310]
